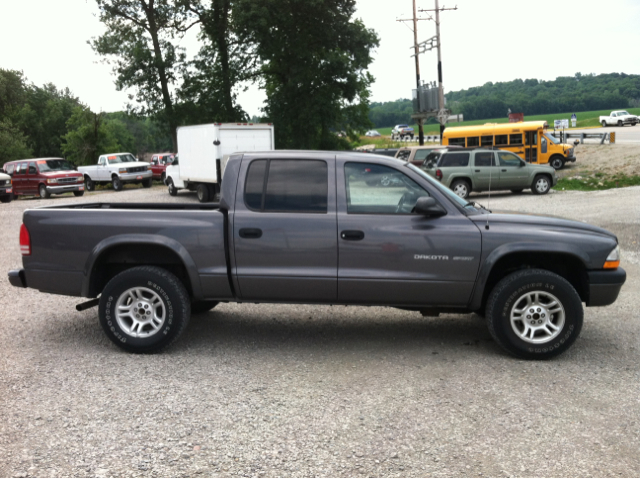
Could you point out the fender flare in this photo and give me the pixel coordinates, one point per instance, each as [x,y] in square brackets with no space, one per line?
[520,247]
[138,239]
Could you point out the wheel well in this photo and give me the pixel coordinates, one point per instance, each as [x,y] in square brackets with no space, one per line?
[462,178]
[565,265]
[122,257]
[114,175]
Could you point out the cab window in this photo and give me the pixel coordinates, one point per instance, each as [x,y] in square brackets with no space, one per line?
[379,189]
[101,161]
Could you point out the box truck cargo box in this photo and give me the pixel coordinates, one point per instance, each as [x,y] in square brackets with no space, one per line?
[203,151]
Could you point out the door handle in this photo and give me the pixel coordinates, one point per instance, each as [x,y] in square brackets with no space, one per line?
[352,235]
[503,170]
[477,171]
[250,233]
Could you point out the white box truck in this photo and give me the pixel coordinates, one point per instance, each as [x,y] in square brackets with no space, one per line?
[203,151]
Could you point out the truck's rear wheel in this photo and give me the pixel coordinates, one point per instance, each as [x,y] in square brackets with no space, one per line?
[202,191]
[534,314]
[117,183]
[173,191]
[604,123]
[144,309]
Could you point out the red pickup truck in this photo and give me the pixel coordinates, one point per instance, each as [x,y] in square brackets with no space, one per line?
[159,163]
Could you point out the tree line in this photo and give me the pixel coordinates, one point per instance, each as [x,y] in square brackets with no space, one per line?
[311,58]
[531,97]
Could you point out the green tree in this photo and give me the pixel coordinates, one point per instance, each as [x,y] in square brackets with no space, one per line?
[314,58]
[13,143]
[139,43]
[89,136]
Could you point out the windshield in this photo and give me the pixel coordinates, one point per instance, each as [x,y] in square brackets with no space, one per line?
[403,155]
[623,113]
[54,165]
[443,189]
[123,158]
[552,139]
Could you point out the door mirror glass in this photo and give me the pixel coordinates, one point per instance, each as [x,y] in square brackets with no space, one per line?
[429,207]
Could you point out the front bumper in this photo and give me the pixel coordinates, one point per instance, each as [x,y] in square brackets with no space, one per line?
[604,286]
[6,191]
[58,190]
[139,176]
[17,278]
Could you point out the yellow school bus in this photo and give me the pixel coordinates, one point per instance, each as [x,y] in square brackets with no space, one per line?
[528,139]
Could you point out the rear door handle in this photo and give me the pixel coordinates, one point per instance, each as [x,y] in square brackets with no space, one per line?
[503,170]
[477,171]
[250,233]
[352,235]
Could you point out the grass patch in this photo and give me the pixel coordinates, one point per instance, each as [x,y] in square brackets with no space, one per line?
[597,182]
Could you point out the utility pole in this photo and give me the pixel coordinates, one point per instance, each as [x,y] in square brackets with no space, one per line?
[416,53]
[442,112]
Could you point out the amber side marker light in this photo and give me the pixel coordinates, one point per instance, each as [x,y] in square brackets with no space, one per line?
[613,260]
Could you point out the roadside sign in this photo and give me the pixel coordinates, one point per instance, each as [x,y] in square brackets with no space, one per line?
[560,124]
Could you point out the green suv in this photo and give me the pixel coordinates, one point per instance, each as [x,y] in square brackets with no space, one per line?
[481,169]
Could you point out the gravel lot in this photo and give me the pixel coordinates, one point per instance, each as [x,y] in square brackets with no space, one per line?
[259,390]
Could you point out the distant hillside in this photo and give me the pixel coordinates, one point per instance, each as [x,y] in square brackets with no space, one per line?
[531,97]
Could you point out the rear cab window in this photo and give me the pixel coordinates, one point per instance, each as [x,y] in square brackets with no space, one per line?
[283,186]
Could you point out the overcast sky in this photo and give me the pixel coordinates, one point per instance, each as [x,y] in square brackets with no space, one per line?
[482,41]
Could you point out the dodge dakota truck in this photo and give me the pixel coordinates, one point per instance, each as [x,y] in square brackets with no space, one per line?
[619,118]
[307,227]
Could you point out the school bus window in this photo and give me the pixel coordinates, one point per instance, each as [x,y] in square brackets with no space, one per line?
[456,141]
[473,141]
[486,141]
[502,139]
[515,139]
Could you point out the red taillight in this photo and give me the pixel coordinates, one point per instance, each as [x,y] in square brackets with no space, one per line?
[439,174]
[25,241]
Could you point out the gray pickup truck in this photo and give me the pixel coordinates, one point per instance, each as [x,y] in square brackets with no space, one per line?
[317,227]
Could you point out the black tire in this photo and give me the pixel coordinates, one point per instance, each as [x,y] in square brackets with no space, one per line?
[148,183]
[516,192]
[117,183]
[461,188]
[6,199]
[620,124]
[198,307]
[557,163]
[89,184]
[160,294]
[42,191]
[563,321]
[203,193]
[604,123]
[78,193]
[541,185]
[173,191]
[163,177]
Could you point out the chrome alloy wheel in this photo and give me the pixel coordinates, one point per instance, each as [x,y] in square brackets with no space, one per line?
[140,312]
[461,190]
[542,185]
[537,317]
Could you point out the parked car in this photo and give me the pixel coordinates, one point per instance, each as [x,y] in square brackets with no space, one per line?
[301,227]
[159,163]
[372,133]
[117,169]
[417,154]
[400,132]
[44,177]
[6,190]
[482,169]
[618,118]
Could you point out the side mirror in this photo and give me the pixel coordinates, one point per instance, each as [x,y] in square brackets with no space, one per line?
[429,207]
[522,163]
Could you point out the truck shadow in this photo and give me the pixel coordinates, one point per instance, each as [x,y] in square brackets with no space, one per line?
[230,330]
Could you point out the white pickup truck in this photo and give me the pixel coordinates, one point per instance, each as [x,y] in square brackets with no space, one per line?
[619,118]
[117,169]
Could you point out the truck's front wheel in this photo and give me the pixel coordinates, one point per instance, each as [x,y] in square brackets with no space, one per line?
[89,184]
[173,191]
[144,309]
[117,183]
[534,314]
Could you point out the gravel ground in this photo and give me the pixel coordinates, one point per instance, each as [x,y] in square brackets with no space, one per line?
[260,390]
